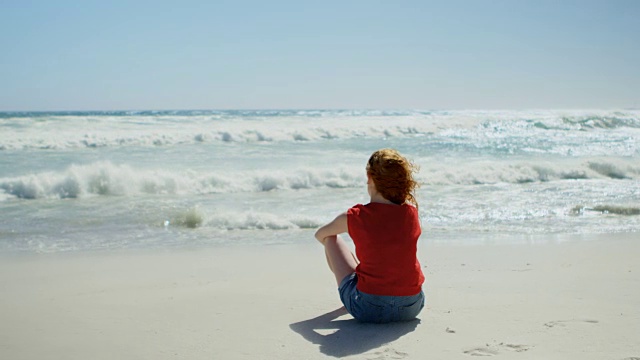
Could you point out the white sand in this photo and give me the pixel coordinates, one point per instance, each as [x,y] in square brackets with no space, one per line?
[577,300]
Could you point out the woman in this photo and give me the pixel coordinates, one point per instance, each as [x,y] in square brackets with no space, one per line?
[383,281]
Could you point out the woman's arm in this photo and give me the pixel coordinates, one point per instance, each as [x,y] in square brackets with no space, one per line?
[335,227]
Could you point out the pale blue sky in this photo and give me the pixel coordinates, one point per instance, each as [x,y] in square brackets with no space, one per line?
[509,54]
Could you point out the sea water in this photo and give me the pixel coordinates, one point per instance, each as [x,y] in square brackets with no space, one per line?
[76,181]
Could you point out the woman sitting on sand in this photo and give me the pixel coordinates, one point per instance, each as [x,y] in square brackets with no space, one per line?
[383,283]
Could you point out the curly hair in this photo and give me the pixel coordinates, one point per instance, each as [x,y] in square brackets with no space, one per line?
[392,175]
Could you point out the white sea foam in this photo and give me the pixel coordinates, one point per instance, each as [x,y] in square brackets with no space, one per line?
[95,180]
[4,196]
[518,172]
[259,221]
[95,130]
[108,179]
[109,131]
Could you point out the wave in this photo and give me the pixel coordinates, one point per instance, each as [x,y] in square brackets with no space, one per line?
[493,172]
[108,179]
[585,123]
[70,133]
[195,217]
[606,209]
[62,130]
[220,113]
[260,221]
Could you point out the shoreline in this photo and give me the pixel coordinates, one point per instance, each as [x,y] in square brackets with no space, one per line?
[565,300]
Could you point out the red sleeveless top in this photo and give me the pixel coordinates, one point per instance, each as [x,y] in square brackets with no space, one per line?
[386,240]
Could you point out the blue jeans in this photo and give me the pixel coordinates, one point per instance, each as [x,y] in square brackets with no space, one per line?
[378,308]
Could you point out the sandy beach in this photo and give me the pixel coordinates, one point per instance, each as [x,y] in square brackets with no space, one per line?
[164,167]
[557,300]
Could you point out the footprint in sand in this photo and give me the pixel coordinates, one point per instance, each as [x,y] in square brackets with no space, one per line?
[495,349]
[481,351]
[561,323]
[389,353]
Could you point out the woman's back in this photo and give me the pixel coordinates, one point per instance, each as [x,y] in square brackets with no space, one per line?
[385,237]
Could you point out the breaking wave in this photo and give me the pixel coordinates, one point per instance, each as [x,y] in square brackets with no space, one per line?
[606,209]
[62,130]
[195,217]
[108,179]
[491,172]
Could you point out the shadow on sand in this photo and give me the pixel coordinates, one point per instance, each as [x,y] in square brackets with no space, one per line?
[349,337]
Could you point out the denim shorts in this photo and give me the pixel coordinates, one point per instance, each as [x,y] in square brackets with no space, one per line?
[378,308]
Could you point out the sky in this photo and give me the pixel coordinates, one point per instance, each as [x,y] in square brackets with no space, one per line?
[427,55]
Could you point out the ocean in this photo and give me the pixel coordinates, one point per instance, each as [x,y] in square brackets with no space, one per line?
[122,180]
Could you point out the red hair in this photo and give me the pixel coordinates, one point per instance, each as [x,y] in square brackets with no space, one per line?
[392,174]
